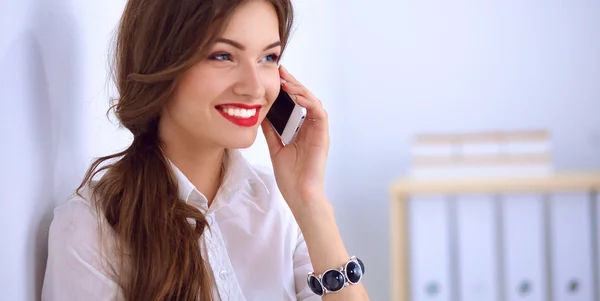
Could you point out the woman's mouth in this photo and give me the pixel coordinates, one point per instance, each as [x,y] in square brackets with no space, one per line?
[240,114]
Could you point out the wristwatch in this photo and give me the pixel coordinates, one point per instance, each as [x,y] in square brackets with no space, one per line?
[334,280]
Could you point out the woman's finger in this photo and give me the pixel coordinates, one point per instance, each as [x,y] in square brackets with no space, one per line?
[304,97]
[295,89]
[273,141]
[314,109]
[283,73]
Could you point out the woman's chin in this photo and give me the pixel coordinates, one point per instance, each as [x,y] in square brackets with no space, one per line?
[241,141]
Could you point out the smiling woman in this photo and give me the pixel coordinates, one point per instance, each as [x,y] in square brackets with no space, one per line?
[180,214]
[240,73]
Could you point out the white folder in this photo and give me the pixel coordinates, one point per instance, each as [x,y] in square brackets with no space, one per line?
[477,246]
[524,258]
[429,249]
[572,278]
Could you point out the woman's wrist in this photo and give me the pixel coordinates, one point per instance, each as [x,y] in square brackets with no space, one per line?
[309,206]
[313,212]
[325,246]
[316,220]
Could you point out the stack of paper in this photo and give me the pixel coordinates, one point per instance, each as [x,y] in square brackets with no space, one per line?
[487,154]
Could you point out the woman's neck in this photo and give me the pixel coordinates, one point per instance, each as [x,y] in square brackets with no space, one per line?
[202,166]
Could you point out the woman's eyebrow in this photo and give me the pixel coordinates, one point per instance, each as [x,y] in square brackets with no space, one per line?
[239,46]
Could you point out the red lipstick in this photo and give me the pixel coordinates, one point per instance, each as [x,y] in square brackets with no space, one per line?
[240,114]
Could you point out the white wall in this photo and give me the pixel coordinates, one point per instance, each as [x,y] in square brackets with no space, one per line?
[443,66]
[52,81]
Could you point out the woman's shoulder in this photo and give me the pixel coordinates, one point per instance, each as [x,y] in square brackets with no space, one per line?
[75,219]
[77,204]
[76,253]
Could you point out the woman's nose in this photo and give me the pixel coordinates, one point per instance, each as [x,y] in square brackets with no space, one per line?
[249,83]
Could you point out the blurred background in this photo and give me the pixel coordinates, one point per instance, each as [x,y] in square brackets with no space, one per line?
[388,72]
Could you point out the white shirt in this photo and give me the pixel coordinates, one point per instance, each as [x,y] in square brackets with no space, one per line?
[255,248]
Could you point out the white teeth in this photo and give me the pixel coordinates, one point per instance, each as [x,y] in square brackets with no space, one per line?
[238,112]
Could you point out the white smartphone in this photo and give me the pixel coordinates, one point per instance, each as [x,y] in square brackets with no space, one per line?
[286,117]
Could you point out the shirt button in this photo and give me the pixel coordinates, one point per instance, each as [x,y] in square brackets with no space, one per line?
[224,275]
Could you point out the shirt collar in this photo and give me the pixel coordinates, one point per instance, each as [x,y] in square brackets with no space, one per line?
[238,172]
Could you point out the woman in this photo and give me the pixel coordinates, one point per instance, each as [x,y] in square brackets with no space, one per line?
[180,215]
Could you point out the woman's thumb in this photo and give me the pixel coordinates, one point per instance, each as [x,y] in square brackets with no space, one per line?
[273,141]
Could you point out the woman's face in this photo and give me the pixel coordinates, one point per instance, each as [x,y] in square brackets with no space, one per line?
[221,101]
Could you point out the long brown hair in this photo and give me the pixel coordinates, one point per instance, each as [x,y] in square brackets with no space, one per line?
[137,194]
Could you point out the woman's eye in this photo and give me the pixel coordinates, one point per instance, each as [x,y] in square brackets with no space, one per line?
[271,58]
[221,57]
[227,57]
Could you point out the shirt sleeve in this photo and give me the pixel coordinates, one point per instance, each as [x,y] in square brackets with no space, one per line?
[303,266]
[75,269]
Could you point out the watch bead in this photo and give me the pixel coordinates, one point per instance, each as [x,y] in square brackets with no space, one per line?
[333,280]
[315,285]
[362,265]
[353,272]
